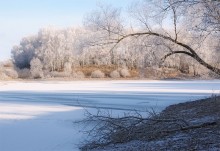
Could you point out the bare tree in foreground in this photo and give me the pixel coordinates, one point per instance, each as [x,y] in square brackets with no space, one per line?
[107,129]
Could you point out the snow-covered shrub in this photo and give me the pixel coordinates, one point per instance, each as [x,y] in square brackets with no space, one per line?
[36,68]
[1,67]
[80,75]
[8,64]
[124,73]
[24,73]
[97,74]
[11,73]
[68,67]
[47,74]
[56,74]
[3,76]
[115,74]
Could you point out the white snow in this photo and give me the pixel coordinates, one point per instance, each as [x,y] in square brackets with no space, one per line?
[39,115]
[20,111]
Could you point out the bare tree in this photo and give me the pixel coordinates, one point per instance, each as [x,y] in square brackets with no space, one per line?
[171,22]
[108,22]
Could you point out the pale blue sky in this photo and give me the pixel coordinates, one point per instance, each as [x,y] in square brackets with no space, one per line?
[19,18]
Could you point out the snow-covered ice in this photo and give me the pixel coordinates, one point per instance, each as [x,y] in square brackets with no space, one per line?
[39,115]
[38,127]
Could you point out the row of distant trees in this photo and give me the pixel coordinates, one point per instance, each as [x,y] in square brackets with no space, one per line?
[171,33]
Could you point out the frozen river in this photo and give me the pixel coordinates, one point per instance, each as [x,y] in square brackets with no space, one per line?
[38,116]
[108,94]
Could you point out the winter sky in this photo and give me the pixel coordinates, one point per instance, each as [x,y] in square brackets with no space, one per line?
[21,18]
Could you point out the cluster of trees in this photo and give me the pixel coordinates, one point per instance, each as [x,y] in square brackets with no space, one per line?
[159,34]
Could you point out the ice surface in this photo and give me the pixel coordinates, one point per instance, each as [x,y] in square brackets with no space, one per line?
[38,116]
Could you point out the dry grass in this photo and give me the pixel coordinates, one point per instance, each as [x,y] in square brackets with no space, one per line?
[87,70]
[164,73]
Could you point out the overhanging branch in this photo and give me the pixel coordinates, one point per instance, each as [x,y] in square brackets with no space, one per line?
[189,51]
[176,52]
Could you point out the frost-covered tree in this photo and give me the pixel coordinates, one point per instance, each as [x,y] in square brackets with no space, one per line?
[52,52]
[157,35]
[54,47]
[172,23]
[106,23]
[23,53]
[36,68]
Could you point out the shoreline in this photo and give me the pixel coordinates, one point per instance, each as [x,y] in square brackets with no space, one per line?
[202,131]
